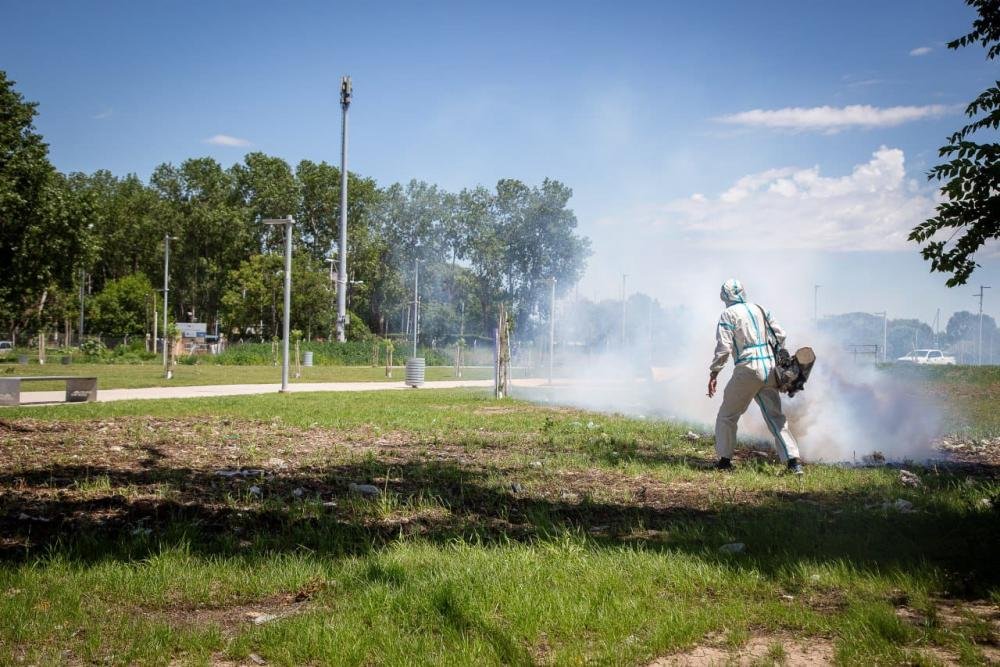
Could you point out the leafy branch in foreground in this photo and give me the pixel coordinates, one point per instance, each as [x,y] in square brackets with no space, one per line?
[972,174]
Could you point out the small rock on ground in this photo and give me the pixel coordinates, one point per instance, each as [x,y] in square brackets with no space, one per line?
[365,490]
[733,548]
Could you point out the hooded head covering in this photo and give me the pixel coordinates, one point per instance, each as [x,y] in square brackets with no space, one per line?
[733,292]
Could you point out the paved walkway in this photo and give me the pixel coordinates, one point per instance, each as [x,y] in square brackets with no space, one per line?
[146,393]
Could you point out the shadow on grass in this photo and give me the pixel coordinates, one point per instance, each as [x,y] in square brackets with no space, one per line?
[49,510]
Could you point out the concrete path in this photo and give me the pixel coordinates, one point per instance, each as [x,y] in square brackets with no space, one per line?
[105,395]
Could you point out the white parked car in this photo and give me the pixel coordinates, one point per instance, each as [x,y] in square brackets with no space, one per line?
[6,347]
[929,357]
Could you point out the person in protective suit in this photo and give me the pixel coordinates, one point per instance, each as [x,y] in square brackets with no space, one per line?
[742,333]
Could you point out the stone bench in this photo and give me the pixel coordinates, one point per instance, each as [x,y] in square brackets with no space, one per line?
[78,389]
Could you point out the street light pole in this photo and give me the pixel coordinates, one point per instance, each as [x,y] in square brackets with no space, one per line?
[885,335]
[83,279]
[167,238]
[980,295]
[552,325]
[416,302]
[345,102]
[287,221]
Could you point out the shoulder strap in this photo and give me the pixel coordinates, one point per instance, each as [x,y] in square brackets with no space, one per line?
[767,326]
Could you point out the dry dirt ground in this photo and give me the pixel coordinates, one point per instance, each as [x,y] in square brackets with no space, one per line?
[123,475]
[132,473]
[782,649]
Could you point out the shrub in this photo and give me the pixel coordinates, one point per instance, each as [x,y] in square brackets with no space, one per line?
[92,347]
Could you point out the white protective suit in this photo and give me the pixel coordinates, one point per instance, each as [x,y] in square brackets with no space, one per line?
[742,333]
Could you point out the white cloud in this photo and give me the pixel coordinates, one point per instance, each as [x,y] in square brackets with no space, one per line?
[871,209]
[921,51]
[107,113]
[833,119]
[226,140]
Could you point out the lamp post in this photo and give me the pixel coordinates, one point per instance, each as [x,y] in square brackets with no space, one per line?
[167,238]
[885,335]
[345,102]
[287,221]
[552,324]
[979,355]
[416,302]
[83,280]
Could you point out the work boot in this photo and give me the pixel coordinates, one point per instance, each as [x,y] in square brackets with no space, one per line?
[724,464]
[795,467]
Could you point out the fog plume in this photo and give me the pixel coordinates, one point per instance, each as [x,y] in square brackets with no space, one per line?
[848,410]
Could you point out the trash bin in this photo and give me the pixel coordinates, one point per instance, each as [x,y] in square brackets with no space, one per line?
[22,359]
[415,367]
[67,360]
[307,358]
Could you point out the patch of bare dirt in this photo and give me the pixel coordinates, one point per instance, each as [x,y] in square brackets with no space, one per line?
[132,475]
[969,450]
[979,619]
[233,618]
[760,649]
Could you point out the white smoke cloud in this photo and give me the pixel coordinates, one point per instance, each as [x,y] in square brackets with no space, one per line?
[688,247]
[847,411]
[921,51]
[872,208]
[834,119]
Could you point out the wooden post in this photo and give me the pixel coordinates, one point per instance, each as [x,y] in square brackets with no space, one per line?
[502,355]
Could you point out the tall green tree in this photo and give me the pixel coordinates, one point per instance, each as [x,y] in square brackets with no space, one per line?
[253,302]
[127,232]
[41,222]
[202,206]
[541,243]
[265,188]
[122,307]
[971,207]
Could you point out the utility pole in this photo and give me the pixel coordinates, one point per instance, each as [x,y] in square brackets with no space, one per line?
[416,302]
[937,324]
[624,276]
[167,238]
[156,322]
[552,325]
[885,335]
[345,102]
[980,295]
[287,221]
[461,340]
[816,303]
[83,279]
[461,326]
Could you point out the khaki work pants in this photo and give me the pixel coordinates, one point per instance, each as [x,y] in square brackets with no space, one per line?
[743,387]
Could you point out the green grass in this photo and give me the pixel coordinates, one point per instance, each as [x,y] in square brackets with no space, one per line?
[608,552]
[116,376]
[970,392]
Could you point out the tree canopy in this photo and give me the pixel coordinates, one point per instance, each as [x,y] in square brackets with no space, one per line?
[970,212]
[476,248]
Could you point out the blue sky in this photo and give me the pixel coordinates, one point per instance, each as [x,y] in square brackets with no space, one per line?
[830,113]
